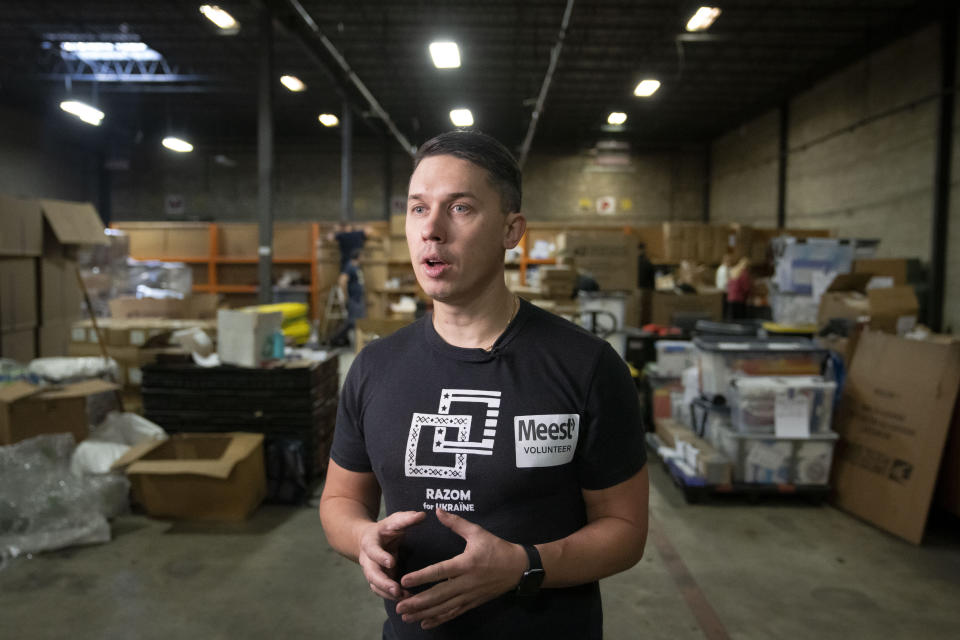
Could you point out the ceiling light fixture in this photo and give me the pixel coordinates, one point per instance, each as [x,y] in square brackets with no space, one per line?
[329,120]
[293,83]
[85,112]
[445,55]
[461,118]
[703,18]
[616,117]
[177,144]
[219,17]
[646,88]
[89,50]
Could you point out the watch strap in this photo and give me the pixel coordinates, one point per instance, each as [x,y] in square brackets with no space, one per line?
[533,557]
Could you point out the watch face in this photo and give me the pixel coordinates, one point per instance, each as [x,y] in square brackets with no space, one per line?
[530,583]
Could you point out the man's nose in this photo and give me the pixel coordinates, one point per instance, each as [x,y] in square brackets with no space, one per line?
[433,228]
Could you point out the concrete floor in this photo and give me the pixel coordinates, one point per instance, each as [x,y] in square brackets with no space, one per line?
[774,570]
[779,569]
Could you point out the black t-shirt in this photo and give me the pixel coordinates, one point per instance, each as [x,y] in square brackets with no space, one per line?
[505,438]
[349,241]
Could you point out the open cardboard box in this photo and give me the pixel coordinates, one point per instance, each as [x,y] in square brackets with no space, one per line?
[891,309]
[27,410]
[198,476]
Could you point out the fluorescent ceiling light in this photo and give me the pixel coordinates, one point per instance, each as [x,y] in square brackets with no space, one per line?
[110,51]
[616,117]
[445,55]
[329,120]
[85,112]
[703,18]
[646,88]
[219,17]
[461,117]
[293,83]
[178,145]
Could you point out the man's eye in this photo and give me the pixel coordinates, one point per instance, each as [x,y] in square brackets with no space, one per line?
[460,208]
[417,210]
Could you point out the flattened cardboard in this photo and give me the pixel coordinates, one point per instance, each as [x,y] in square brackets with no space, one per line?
[893,309]
[20,345]
[74,222]
[21,227]
[897,405]
[27,410]
[219,477]
[948,484]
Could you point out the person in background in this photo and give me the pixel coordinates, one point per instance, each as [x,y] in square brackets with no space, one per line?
[646,272]
[351,285]
[738,289]
[349,238]
[723,276]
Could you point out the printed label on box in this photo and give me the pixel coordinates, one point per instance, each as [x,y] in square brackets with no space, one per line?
[792,415]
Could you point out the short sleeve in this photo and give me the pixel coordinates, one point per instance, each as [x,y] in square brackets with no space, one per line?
[612,449]
[349,448]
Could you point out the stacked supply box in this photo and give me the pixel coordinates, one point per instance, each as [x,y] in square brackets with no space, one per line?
[20,248]
[294,405]
[781,410]
[609,256]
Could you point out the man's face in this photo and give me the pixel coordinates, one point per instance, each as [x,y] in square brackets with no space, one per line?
[456,229]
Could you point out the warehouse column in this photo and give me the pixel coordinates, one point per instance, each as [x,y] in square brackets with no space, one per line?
[782,165]
[265,157]
[707,170]
[941,175]
[387,177]
[346,164]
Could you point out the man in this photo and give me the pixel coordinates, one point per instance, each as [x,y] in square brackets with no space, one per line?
[505,441]
[350,283]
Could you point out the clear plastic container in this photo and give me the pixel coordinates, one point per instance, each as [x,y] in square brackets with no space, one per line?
[673,356]
[767,460]
[721,359]
[753,401]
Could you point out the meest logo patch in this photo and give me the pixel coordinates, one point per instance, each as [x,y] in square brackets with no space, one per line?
[546,440]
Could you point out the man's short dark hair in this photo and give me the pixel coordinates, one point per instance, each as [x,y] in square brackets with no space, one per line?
[485,152]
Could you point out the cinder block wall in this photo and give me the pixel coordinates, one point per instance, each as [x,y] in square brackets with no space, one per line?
[40,156]
[862,146]
[743,173]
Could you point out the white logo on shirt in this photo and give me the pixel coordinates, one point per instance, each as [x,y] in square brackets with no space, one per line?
[451,434]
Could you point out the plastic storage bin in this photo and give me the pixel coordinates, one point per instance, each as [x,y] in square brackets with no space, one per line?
[753,401]
[720,359]
[673,356]
[762,459]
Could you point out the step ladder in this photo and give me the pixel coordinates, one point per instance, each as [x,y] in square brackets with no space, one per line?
[334,313]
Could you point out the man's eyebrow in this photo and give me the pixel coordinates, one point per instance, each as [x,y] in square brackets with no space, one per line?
[450,196]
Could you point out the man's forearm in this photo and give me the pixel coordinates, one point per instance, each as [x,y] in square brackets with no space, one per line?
[343,520]
[601,548]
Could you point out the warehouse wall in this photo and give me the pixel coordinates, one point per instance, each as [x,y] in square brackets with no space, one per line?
[951,310]
[743,178]
[862,145]
[42,157]
[655,186]
[307,184]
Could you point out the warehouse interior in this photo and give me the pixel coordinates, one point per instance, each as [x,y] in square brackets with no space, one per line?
[754,203]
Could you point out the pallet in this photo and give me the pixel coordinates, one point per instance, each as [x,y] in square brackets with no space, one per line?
[697,490]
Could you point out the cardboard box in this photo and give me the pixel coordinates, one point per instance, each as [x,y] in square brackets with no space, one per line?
[901,270]
[21,227]
[153,240]
[53,340]
[18,293]
[245,338]
[369,329]
[398,250]
[374,275]
[19,345]
[891,309]
[609,256]
[709,463]
[27,410]
[213,477]
[897,406]
[292,241]
[238,240]
[666,306]
[197,306]
[948,484]
[651,236]
[671,432]
[398,224]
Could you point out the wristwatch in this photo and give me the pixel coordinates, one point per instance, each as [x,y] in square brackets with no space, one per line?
[534,575]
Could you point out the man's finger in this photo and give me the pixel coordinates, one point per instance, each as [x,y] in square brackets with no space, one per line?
[431,573]
[458,525]
[432,602]
[402,519]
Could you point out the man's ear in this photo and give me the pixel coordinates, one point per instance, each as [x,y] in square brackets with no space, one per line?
[515,227]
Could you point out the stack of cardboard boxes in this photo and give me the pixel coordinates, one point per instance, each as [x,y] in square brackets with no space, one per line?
[39,287]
